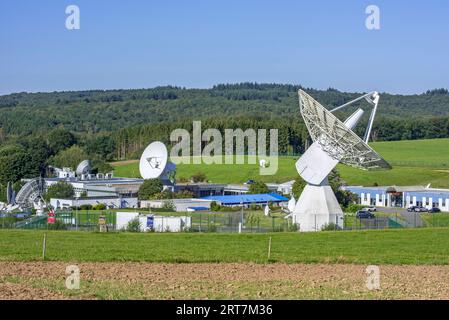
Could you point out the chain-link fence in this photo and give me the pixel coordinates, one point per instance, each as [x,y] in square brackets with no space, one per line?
[243,221]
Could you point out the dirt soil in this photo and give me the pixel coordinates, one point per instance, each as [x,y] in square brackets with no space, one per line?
[46,280]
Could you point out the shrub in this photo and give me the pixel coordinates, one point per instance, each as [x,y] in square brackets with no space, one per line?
[168,204]
[330,227]
[58,225]
[258,187]
[85,207]
[99,206]
[133,225]
[214,206]
[198,177]
[352,208]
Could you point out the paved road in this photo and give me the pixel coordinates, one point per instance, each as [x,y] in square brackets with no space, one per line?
[413,219]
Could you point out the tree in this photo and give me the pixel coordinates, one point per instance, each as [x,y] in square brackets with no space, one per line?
[258,187]
[13,163]
[60,139]
[149,189]
[61,189]
[39,152]
[298,187]
[103,146]
[70,157]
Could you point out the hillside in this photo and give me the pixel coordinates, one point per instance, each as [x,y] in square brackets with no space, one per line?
[110,110]
[417,162]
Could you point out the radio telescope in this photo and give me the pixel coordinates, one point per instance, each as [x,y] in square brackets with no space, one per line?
[31,195]
[154,163]
[333,142]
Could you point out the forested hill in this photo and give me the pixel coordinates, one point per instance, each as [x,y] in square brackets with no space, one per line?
[110,110]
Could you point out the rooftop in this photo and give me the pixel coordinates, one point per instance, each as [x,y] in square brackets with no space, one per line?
[248,198]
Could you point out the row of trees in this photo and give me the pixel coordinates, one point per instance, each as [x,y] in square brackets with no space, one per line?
[292,133]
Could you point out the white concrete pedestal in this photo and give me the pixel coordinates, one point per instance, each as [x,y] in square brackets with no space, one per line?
[316,207]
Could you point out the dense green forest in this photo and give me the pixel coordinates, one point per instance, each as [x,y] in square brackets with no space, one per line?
[107,111]
[63,128]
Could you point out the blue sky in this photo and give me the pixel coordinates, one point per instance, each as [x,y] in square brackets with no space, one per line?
[139,44]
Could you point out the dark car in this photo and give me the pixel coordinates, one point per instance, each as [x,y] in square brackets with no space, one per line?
[433,210]
[364,214]
[416,209]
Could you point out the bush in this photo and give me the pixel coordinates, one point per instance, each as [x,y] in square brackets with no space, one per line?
[198,177]
[85,207]
[133,225]
[58,225]
[168,205]
[258,187]
[330,227]
[99,206]
[352,208]
[214,206]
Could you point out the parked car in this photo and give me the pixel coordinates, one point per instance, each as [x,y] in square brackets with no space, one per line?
[416,209]
[434,210]
[420,209]
[364,214]
[249,181]
[370,209]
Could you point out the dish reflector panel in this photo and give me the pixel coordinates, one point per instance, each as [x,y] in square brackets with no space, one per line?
[339,142]
[153,160]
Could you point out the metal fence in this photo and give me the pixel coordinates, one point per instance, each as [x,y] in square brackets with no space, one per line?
[244,221]
[64,220]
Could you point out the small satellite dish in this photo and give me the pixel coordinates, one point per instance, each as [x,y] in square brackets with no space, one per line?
[84,167]
[154,162]
[263,163]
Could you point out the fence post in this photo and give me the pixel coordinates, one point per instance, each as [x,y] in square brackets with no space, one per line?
[269,249]
[44,246]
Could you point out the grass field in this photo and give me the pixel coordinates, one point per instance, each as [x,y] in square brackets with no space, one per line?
[410,246]
[416,162]
[414,264]
[440,219]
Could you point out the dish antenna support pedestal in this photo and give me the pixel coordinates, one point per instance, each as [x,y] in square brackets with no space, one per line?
[333,142]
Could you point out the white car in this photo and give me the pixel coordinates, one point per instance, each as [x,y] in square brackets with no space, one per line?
[370,209]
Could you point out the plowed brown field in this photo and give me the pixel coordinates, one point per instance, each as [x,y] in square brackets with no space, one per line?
[46,280]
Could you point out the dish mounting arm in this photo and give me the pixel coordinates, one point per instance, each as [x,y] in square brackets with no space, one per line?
[373,99]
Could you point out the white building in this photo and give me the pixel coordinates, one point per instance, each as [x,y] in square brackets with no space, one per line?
[109,202]
[150,222]
[180,205]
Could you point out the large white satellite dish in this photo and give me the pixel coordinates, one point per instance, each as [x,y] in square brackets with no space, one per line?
[154,162]
[333,142]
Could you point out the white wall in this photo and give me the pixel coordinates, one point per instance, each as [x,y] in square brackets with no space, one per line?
[160,223]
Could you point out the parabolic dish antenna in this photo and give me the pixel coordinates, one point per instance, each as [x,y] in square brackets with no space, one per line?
[333,142]
[30,193]
[336,139]
[84,167]
[154,162]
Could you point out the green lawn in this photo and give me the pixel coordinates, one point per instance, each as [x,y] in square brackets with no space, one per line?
[408,246]
[440,219]
[416,162]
